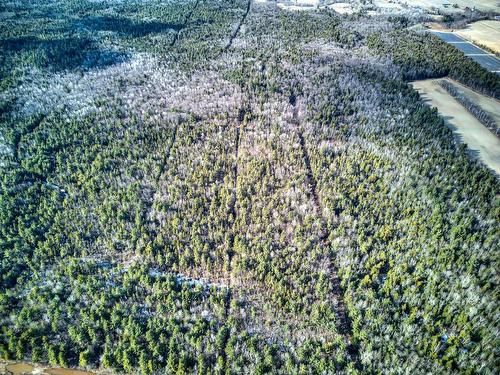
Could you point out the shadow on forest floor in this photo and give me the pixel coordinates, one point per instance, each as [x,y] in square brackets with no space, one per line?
[129,27]
[58,54]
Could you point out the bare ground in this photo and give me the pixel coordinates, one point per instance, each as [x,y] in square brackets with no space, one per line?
[487,104]
[481,142]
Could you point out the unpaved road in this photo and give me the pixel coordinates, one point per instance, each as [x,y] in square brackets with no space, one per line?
[463,124]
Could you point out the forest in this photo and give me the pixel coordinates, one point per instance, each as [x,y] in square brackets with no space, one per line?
[226,187]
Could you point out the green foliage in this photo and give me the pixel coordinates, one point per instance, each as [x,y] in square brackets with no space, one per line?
[191,187]
[427,56]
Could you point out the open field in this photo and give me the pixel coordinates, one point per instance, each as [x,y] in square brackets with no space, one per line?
[486,33]
[483,144]
[484,5]
[298,5]
[341,8]
[387,6]
[488,104]
[21,368]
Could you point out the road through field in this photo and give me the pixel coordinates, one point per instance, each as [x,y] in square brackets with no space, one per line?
[483,144]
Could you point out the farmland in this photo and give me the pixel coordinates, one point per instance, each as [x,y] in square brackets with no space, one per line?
[228,187]
[485,33]
[443,6]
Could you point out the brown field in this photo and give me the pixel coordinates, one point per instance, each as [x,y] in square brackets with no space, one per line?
[20,368]
[486,33]
[483,143]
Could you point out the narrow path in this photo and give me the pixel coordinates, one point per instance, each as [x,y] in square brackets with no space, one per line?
[344,326]
[228,277]
[237,30]
[166,156]
[309,174]
[307,162]
[163,166]
[184,24]
[237,135]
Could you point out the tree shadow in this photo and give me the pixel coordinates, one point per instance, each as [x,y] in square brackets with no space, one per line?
[448,120]
[129,27]
[66,53]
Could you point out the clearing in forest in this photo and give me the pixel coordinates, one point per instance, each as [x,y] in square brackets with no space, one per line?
[483,143]
[487,103]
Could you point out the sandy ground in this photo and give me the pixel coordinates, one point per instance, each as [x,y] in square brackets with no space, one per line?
[18,368]
[387,4]
[436,26]
[341,8]
[486,33]
[482,143]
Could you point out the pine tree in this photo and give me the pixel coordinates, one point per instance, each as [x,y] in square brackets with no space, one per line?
[143,363]
[62,356]
[172,356]
[107,356]
[201,367]
[84,358]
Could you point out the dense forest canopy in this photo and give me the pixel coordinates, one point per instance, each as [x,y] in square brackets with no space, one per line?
[215,186]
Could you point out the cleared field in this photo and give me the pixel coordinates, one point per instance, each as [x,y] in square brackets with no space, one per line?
[387,5]
[342,8]
[19,368]
[488,104]
[489,62]
[486,33]
[484,5]
[464,125]
[449,37]
[468,48]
